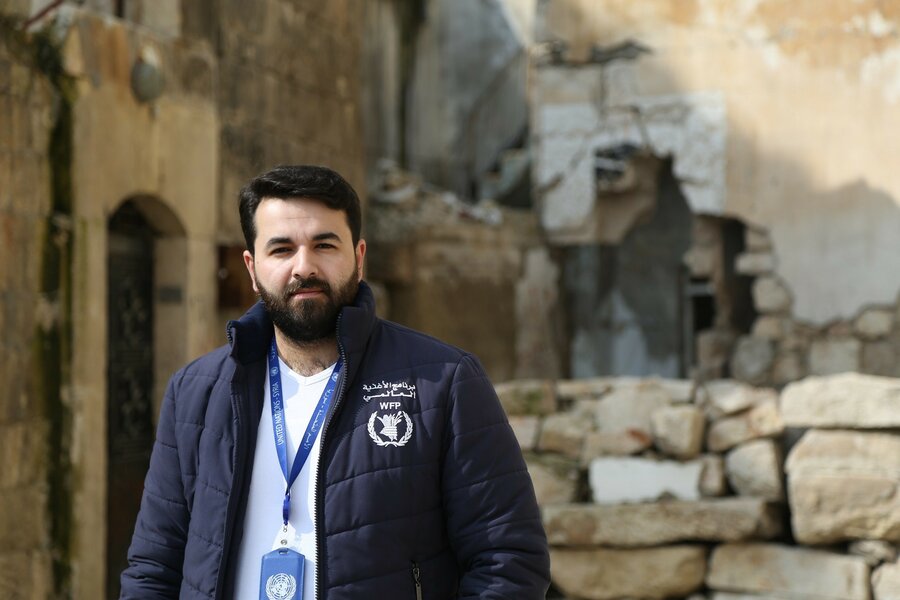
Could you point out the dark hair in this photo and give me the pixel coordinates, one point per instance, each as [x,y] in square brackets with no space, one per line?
[299,181]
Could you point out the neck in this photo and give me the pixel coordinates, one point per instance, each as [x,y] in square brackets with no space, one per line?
[307,358]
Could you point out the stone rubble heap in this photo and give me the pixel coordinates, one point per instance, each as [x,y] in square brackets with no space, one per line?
[655,488]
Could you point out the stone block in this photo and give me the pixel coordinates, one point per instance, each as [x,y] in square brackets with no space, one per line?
[679,390]
[882,358]
[874,323]
[629,407]
[713,351]
[607,574]
[617,480]
[22,453]
[526,428]
[555,479]
[571,389]
[564,433]
[752,359]
[616,443]
[755,263]
[754,469]
[527,397]
[788,367]
[678,430]
[756,239]
[701,261]
[849,400]
[770,327]
[874,552]
[844,485]
[886,582]
[834,355]
[773,569]
[660,523]
[724,397]
[770,295]
[760,421]
[712,478]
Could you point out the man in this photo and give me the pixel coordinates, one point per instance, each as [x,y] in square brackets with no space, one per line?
[325,453]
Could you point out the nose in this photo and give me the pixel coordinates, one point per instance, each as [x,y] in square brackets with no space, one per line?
[304,265]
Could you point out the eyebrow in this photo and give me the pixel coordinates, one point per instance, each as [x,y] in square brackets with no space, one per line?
[325,235]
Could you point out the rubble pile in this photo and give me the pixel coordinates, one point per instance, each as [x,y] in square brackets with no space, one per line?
[653,488]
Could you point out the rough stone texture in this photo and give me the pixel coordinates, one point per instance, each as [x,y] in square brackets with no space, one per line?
[874,552]
[770,295]
[757,239]
[678,430]
[874,323]
[848,400]
[564,433]
[665,572]
[573,389]
[788,366]
[725,397]
[755,263]
[527,397]
[712,480]
[770,327]
[752,359]
[760,421]
[659,523]
[843,485]
[615,480]
[886,582]
[629,407]
[26,117]
[834,355]
[616,443]
[882,357]
[538,336]
[754,469]
[526,429]
[794,572]
[555,479]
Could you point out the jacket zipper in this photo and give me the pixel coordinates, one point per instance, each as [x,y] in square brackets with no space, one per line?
[236,491]
[417,578]
[318,508]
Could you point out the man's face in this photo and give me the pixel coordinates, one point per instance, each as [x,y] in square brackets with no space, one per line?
[304,266]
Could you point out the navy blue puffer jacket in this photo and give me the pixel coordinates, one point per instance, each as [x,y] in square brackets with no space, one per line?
[447,496]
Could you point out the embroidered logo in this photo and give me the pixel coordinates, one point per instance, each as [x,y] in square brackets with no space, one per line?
[281,586]
[389,391]
[390,428]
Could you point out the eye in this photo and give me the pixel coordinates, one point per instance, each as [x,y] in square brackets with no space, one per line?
[325,246]
[280,250]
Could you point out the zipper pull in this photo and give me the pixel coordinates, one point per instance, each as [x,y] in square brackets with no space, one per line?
[417,578]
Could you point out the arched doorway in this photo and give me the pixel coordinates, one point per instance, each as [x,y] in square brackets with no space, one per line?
[144,297]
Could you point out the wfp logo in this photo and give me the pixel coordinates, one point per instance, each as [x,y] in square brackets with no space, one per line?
[281,586]
[391,425]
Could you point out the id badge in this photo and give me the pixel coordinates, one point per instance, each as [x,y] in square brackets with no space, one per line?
[281,575]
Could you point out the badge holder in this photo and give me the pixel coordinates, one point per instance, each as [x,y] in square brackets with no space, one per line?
[281,573]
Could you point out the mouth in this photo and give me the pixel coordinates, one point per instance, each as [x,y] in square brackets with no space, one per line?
[306,293]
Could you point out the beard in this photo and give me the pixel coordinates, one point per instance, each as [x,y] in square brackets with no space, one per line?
[314,319]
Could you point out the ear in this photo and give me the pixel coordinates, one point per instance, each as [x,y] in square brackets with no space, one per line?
[248,262]
[360,256]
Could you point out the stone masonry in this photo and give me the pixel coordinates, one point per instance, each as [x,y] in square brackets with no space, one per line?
[26,117]
[636,507]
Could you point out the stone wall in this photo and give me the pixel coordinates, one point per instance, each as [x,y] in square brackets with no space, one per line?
[659,488]
[29,311]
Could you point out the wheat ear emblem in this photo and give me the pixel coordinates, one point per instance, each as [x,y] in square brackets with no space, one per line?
[389,425]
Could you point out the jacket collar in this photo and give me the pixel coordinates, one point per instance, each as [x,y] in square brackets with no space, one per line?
[250,335]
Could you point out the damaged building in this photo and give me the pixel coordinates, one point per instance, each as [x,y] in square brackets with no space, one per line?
[618,205]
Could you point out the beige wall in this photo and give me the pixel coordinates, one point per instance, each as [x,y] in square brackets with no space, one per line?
[809,91]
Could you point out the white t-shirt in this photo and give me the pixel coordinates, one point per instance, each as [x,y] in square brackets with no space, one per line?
[262,521]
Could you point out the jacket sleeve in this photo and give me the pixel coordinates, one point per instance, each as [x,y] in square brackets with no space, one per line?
[157,547]
[492,515]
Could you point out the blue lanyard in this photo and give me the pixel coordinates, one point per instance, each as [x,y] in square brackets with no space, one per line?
[278,426]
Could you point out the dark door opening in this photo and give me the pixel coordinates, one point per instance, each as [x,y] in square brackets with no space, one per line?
[129,380]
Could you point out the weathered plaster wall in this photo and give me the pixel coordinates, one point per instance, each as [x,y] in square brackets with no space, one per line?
[807,93]
[29,319]
[288,91]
